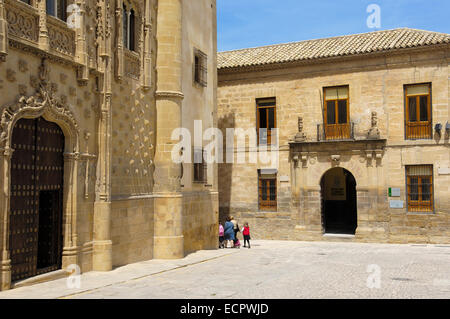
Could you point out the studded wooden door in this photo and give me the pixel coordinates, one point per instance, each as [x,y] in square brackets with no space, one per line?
[37,168]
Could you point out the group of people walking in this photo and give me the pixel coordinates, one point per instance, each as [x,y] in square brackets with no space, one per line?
[228,234]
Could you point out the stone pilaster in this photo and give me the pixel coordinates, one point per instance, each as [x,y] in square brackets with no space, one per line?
[5,261]
[119,68]
[81,54]
[147,46]
[70,248]
[169,240]
[3,33]
[102,243]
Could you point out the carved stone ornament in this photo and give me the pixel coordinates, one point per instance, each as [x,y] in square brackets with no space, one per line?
[11,75]
[23,65]
[374,132]
[42,103]
[300,136]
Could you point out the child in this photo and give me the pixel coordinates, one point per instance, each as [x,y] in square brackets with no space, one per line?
[221,236]
[246,233]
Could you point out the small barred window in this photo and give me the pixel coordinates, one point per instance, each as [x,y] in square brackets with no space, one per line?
[420,188]
[200,68]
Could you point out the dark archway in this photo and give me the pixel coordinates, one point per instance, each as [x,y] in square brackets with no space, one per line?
[338,193]
[37,169]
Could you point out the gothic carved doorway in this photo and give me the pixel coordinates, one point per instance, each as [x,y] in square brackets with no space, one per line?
[37,170]
[339,212]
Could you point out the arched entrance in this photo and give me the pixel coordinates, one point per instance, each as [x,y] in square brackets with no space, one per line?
[338,190]
[36,204]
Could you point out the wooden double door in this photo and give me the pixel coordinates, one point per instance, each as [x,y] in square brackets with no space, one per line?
[37,170]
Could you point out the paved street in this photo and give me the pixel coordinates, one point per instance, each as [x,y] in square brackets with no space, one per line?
[272,269]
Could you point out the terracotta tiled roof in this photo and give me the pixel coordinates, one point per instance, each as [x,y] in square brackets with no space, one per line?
[331,47]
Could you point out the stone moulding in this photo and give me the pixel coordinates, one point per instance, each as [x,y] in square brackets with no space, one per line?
[169,95]
[40,104]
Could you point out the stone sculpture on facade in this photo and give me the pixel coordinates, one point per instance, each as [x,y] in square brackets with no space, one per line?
[374,132]
[300,136]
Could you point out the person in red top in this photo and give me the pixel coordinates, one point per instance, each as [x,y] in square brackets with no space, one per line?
[246,233]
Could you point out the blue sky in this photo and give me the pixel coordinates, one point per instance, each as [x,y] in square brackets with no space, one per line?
[251,23]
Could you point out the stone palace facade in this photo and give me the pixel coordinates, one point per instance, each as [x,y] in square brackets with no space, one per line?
[87,108]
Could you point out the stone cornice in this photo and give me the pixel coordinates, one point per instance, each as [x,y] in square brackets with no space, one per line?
[169,94]
[338,145]
[51,56]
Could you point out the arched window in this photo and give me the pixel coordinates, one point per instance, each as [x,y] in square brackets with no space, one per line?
[129,27]
[131,45]
[125,26]
[57,8]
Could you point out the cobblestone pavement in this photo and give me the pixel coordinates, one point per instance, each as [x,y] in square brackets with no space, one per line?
[272,269]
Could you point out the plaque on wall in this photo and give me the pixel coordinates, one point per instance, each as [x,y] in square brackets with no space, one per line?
[394,192]
[396,204]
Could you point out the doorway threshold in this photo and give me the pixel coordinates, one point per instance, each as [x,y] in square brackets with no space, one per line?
[338,235]
[57,274]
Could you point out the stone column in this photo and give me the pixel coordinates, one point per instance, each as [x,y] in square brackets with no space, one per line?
[168,231]
[5,261]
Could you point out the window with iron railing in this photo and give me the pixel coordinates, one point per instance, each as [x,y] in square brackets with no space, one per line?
[418,111]
[336,113]
[419,179]
[267,191]
[200,68]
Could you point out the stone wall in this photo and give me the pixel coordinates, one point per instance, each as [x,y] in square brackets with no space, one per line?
[376,84]
[200,215]
[132,230]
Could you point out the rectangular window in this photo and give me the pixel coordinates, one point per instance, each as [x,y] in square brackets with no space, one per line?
[200,68]
[418,111]
[337,119]
[266,120]
[200,166]
[267,180]
[57,8]
[420,188]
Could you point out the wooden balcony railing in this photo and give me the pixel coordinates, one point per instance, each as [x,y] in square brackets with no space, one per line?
[326,132]
[418,130]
